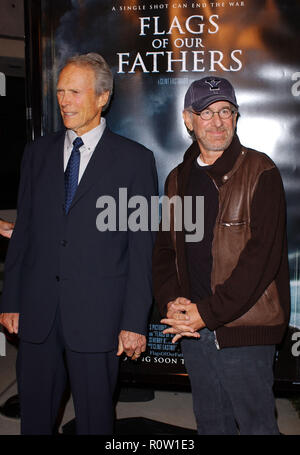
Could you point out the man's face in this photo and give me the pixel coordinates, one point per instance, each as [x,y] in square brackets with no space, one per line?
[80,107]
[213,135]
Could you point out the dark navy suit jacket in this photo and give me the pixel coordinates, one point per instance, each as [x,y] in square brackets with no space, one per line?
[101,280]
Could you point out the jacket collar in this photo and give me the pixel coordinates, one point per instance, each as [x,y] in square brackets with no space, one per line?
[225,164]
[220,171]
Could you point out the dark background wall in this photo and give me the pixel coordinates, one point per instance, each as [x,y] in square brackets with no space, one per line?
[12,105]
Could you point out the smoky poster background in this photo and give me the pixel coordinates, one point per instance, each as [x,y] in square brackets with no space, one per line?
[252,43]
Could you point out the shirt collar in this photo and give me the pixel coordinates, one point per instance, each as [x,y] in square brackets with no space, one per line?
[90,139]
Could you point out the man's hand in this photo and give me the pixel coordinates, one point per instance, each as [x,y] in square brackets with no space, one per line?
[10,321]
[6,228]
[177,306]
[176,311]
[184,319]
[133,344]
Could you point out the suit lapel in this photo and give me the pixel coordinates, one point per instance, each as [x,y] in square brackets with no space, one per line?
[55,168]
[99,165]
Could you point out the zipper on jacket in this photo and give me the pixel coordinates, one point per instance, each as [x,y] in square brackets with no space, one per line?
[216,341]
[234,223]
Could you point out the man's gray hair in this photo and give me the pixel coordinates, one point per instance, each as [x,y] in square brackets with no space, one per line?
[103,74]
[190,132]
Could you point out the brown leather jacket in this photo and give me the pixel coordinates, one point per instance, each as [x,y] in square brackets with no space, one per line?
[262,321]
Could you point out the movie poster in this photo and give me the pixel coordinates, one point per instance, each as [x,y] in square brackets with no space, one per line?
[156,49]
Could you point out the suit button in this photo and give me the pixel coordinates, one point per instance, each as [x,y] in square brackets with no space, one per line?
[64,242]
[57,278]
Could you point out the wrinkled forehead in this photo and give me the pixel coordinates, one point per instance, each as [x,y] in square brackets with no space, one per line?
[81,74]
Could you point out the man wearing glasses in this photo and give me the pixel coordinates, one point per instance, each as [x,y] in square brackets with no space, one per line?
[226,298]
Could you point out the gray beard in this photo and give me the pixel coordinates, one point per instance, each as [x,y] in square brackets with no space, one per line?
[216,148]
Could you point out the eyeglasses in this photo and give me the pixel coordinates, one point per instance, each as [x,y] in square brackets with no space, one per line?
[208,114]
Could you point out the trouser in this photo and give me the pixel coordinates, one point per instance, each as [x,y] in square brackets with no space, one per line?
[42,377]
[231,387]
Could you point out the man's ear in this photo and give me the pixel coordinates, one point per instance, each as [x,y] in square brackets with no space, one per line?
[235,119]
[103,99]
[187,120]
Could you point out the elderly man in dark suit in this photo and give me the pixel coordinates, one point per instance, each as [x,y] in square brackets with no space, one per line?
[74,293]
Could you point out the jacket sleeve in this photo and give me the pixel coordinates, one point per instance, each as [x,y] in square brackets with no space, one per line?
[259,261]
[18,243]
[139,295]
[164,273]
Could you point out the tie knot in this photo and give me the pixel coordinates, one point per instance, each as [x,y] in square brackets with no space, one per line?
[78,142]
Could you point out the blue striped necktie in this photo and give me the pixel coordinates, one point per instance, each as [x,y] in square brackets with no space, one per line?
[71,173]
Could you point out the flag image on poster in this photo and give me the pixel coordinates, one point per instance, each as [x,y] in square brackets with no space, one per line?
[155,50]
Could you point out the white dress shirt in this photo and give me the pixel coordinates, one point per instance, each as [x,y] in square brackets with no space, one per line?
[90,140]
